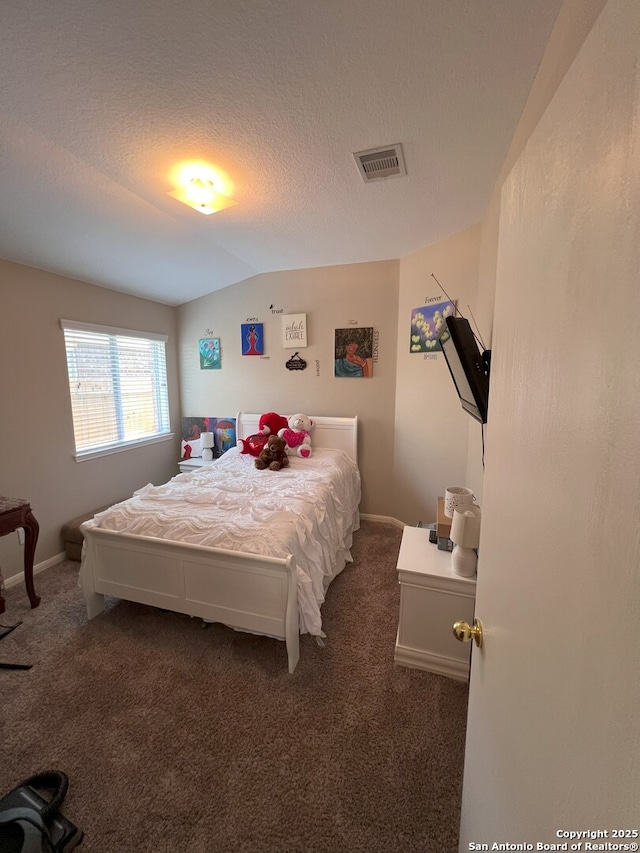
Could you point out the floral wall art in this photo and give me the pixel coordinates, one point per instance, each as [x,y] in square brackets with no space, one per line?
[209,349]
[426,324]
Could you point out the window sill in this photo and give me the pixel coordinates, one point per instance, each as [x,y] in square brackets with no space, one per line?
[84,456]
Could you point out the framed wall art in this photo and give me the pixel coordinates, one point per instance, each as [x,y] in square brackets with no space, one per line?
[354,352]
[294,331]
[252,335]
[426,324]
[209,349]
[224,435]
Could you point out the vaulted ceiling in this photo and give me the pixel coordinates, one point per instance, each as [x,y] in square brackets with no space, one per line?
[100,99]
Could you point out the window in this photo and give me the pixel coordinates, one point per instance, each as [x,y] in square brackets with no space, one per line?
[118,386]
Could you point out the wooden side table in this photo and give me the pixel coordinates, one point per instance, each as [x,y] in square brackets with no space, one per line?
[15,513]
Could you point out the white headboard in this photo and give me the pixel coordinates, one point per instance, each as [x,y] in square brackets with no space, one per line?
[339,433]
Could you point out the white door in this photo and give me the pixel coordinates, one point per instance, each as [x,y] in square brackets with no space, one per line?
[553,739]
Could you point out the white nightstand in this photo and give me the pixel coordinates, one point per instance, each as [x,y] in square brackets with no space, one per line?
[432,598]
[193,464]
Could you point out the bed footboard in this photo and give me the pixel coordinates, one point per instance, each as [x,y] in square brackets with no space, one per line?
[244,591]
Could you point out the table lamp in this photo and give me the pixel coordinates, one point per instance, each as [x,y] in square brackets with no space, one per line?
[465,535]
[206,441]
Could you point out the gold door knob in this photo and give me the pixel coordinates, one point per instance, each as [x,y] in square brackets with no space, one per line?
[464,632]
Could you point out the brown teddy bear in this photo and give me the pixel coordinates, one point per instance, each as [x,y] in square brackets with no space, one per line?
[273,455]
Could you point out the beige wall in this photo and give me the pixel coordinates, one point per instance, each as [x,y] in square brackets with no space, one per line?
[573,24]
[432,429]
[332,297]
[558,585]
[465,264]
[36,428]
[415,438]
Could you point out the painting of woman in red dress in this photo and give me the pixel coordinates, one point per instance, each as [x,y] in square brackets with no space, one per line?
[252,339]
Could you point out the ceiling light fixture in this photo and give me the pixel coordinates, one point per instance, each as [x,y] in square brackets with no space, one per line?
[201,194]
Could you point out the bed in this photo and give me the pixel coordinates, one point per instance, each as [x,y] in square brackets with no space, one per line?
[254,550]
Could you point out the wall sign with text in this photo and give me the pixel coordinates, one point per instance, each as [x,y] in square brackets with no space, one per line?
[294,331]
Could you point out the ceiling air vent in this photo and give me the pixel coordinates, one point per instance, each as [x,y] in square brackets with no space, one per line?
[377,163]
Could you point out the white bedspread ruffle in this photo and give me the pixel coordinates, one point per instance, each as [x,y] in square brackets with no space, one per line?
[309,510]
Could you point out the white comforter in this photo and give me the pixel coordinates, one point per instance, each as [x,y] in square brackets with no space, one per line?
[309,509]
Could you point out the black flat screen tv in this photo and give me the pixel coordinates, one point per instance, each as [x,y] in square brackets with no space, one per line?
[468,365]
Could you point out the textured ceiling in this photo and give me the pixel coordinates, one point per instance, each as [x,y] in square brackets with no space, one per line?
[100,98]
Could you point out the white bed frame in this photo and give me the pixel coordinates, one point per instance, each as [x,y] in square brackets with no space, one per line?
[245,591]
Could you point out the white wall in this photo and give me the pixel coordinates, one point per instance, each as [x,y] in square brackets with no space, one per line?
[331,297]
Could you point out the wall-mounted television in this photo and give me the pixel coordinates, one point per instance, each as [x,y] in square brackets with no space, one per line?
[468,365]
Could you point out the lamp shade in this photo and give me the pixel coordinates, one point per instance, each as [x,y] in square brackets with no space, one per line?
[465,527]
[206,439]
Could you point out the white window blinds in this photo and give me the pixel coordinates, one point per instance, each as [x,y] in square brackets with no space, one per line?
[118,386]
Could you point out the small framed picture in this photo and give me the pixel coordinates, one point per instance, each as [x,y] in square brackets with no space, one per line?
[426,324]
[209,349]
[294,331]
[252,338]
[354,352]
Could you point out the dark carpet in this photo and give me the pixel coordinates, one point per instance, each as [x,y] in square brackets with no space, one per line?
[180,738]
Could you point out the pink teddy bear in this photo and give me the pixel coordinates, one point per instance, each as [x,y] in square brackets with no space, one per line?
[298,435]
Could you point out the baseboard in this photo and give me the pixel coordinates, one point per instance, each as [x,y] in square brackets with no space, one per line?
[419,659]
[383,519]
[14,580]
